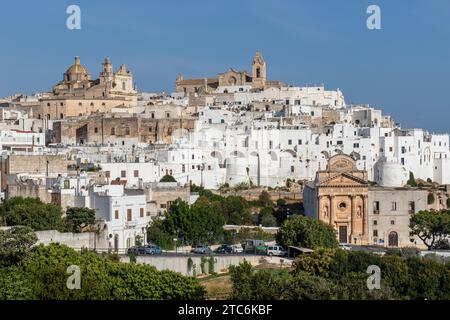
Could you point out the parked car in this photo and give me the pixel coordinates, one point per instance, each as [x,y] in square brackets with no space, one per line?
[224,249]
[276,251]
[237,248]
[152,249]
[202,249]
[345,246]
[136,251]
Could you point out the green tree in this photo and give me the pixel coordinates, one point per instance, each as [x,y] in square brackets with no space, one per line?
[167,178]
[281,202]
[31,212]
[103,279]
[78,218]
[234,209]
[15,285]
[266,217]
[265,199]
[430,226]
[306,232]
[157,235]
[195,224]
[15,244]
[412,181]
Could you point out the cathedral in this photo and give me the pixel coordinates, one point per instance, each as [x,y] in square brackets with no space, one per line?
[78,95]
[77,82]
[257,79]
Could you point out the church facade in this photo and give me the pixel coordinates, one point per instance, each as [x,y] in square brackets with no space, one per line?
[257,79]
[339,196]
[78,95]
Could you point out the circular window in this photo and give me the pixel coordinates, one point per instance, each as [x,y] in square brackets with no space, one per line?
[342,205]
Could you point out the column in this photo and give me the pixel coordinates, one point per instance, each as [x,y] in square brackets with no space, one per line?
[364,214]
[353,218]
[332,211]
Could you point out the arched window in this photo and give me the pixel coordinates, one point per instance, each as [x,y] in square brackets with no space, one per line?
[127,130]
[61,116]
[258,72]
[124,86]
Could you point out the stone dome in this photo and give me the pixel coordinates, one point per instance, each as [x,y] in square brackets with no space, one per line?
[77,68]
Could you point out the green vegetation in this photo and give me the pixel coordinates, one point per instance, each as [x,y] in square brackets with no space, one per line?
[15,245]
[337,274]
[32,213]
[77,218]
[38,215]
[43,275]
[306,232]
[412,181]
[196,224]
[430,226]
[167,178]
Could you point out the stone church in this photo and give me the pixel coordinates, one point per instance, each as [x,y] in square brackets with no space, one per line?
[257,79]
[339,197]
[78,95]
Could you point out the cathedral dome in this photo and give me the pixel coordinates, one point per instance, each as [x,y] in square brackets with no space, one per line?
[77,68]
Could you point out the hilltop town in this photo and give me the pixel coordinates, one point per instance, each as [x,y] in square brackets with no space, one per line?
[98,143]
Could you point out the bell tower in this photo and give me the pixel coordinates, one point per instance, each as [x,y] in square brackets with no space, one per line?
[107,71]
[258,71]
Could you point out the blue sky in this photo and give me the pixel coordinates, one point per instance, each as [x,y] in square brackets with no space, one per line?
[403,69]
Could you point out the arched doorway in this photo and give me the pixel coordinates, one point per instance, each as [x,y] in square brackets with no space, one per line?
[393,239]
[116,242]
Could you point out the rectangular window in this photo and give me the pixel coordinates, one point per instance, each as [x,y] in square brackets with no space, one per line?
[116,214]
[375,222]
[292,168]
[123,174]
[394,206]
[376,207]
[289,142]
[300,141]
[141,212]
[129,215]
[375,233]
[136,173]
[411,207]
[392,222]
[183,168]
[108,174]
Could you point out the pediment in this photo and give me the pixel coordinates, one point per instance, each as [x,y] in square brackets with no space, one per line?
[342,179]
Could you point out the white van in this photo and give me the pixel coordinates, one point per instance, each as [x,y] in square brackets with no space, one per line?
[276,251]
[237,248]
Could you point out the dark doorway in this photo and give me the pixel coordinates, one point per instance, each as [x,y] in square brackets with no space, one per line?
[393,239]
[343,234]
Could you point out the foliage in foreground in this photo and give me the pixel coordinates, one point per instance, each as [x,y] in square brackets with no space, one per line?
[338,274]
[43,275]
